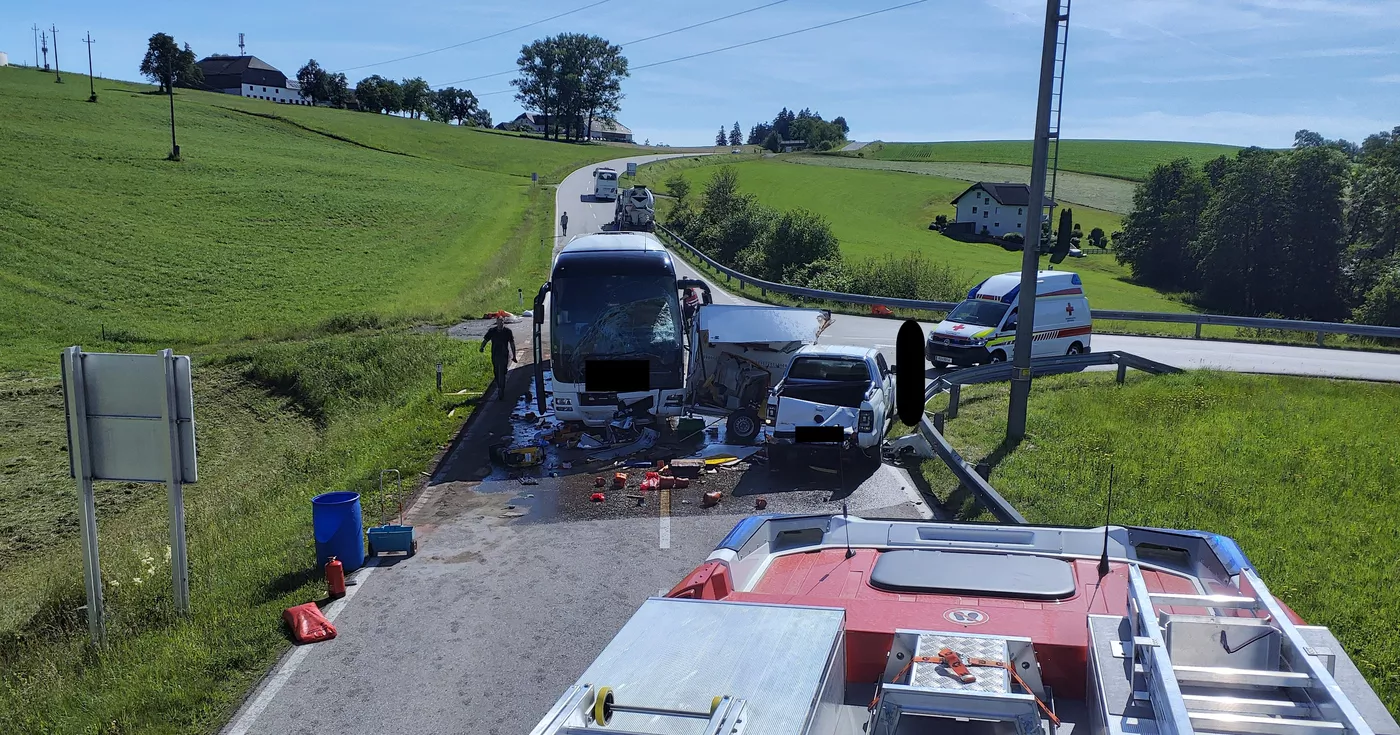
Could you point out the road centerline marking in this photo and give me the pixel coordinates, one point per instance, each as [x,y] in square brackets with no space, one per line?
[665,520]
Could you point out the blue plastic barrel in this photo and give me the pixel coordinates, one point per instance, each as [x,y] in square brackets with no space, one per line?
[335,517]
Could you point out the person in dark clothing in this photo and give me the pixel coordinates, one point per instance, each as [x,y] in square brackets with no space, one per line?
[502,352]
[564,223]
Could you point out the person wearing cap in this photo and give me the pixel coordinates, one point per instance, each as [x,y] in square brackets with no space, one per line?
[502,351]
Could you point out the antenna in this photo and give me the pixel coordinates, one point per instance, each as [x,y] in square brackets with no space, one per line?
[240,45]
[846,516]
[1107,511]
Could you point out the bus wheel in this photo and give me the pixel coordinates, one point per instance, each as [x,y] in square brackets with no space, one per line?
[742,427]
[1075,349]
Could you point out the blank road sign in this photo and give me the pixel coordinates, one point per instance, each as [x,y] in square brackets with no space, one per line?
[129,437]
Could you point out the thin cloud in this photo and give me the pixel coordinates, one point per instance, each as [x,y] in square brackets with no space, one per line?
[1183,79]
[1387,79]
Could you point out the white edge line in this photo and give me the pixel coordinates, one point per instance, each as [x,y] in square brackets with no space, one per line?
[275,681]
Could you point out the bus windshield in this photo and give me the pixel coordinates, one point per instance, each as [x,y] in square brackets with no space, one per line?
[979,313]
[607,176]
[616,317]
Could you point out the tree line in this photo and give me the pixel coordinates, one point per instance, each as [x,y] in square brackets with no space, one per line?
[572,80]
[167,64]
[806,126]
[796,247]
[1308,233]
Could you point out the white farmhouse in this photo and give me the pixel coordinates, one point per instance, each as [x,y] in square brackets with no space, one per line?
[249,76]
[995,209]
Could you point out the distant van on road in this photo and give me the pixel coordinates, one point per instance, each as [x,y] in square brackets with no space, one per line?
[982,328]
[604,184]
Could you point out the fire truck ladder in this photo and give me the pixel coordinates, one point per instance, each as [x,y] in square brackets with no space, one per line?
[1052,162]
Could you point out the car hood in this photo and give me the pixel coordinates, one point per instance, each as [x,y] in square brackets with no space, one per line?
[947,328]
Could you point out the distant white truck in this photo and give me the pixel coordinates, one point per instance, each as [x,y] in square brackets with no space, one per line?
[635,210]
[834,385]
[604,183]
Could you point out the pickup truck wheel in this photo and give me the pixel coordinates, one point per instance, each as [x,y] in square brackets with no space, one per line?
[742,427]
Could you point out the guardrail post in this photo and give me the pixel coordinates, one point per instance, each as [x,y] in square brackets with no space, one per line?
[983,470]
[938,421]
[954,396]
[1122,372]
[763,292]
[1198,330]
[1320,335]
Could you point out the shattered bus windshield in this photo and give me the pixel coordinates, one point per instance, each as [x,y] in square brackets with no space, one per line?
[618,317]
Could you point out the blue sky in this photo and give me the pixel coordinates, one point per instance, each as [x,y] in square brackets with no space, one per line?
[1225,71]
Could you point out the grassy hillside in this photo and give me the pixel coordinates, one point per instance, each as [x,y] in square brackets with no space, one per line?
[1301,472]
[1071,189]
[278,218]
[1124,159]
[283,253]
[874,213]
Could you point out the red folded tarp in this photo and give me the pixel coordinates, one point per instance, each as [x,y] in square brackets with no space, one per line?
[307,623]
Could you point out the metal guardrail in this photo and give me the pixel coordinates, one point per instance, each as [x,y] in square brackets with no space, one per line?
[1248,322]
[968,475]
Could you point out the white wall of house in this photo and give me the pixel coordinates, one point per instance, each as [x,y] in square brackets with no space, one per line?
[979,208]
[272,94]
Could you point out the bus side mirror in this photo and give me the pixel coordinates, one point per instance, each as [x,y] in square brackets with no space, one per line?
[539,316]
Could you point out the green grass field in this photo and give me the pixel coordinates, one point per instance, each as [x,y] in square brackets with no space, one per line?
[1071,189]
[1300,472]
[1123,159]
[286,253]
[875,212]
[265,227]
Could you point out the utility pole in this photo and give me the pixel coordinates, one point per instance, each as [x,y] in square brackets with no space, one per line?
[57,75]
[36,45]
[1030,253]
[45,39]
[170,87]
[92,88]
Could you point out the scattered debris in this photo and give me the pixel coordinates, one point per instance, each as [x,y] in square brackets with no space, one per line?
[567,465]
[510,507]
[687,467]
[646,441]
[599,481]
[529,481]
[619,480]
[732,451]
[760,503]
[638,463]
[586,441]
[711,498]
[596,497]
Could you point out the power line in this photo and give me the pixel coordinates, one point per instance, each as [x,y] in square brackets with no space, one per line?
[748,43]
[629,43]
[780,35]
[704,23]
[475,40]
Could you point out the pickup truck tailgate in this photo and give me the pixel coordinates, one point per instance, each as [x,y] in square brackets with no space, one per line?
[794,412]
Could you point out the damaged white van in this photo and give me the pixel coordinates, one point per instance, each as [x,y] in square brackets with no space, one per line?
[982,329]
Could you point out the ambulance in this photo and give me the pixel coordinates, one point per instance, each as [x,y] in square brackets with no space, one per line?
[982,328]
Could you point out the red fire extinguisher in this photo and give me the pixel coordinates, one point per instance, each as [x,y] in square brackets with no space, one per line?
[335,578]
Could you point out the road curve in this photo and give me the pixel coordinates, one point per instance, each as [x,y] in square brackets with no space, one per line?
[1191,354]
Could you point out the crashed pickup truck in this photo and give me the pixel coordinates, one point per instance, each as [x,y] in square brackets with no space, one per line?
[737,353]
[834,385]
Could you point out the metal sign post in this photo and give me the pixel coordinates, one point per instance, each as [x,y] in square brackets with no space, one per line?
[130,418]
